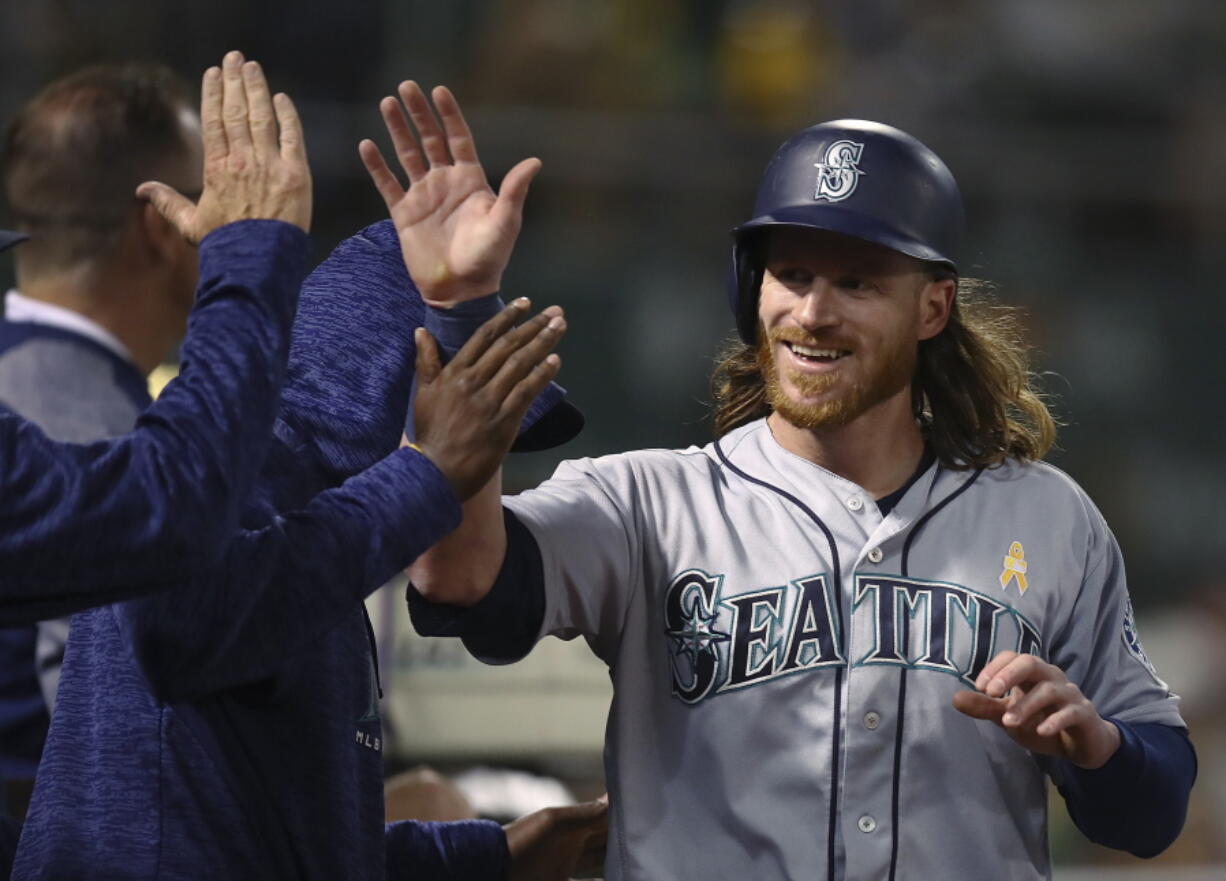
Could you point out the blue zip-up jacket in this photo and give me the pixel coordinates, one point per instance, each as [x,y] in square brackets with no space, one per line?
[230,729]
[86,525]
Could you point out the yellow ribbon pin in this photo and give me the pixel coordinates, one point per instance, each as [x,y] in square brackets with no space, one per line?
[1015,568]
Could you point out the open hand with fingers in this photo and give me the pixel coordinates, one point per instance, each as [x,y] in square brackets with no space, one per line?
[255,164]
[456,234]
[467,413]
[1037,705]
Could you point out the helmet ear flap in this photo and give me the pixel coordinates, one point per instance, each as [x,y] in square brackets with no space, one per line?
[8,239]
[745,282]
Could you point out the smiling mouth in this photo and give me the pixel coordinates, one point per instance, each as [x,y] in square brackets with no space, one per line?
[814,355]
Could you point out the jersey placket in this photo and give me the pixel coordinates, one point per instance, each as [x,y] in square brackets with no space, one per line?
[871,696]
[879,657]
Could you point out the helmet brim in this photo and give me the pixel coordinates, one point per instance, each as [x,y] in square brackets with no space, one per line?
[843,221]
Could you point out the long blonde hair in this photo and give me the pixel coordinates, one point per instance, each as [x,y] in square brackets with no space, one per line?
[973,391]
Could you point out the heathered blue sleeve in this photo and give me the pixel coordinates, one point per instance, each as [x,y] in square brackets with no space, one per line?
[1137,801]
[465,850]
[282,585]
[352,357]
[82,526]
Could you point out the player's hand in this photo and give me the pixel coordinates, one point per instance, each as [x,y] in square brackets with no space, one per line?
[1037,705]
[255,163]
[456,234]
[467,414]
[557,843]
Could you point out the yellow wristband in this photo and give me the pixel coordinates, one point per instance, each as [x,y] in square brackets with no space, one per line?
[413,446]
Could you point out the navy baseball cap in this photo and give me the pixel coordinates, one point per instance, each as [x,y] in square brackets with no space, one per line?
[8,239]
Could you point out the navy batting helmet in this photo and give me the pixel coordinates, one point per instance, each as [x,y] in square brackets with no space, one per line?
[862,179]
[8,239]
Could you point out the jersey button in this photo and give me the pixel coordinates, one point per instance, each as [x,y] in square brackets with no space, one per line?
[866,823]
[871,721]
[855,503]
[875,555]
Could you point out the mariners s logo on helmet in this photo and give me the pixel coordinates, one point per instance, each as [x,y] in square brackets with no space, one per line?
[839,173]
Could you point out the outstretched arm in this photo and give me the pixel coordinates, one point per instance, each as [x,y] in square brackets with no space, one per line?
[351,360]
[456,236]
[231,625]
[82,526]
[351,364]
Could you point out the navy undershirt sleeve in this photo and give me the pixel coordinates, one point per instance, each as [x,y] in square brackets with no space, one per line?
[502,627]
[1138,800]
[551,419]
[452,327]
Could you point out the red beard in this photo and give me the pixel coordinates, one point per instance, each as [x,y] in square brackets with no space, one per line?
[880,378]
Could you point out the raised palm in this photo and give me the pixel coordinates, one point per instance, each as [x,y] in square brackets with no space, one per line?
[456,233]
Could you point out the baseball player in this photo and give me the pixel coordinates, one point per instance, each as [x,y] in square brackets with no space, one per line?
[855,636]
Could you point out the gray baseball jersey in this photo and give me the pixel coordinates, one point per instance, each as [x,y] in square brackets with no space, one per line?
[784,657]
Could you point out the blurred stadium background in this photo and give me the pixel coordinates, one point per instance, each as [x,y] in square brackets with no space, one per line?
[1089,138]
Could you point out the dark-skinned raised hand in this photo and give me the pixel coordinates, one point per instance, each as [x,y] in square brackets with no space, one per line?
[467,413]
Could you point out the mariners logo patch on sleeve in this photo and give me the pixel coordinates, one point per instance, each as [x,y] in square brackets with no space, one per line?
[1132,641]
